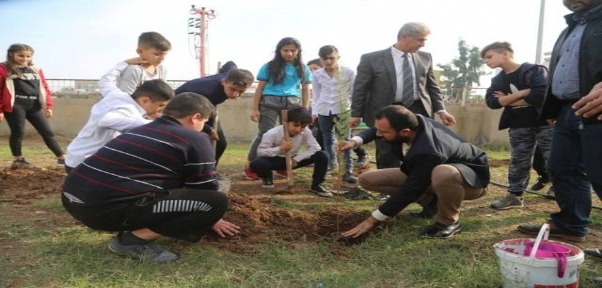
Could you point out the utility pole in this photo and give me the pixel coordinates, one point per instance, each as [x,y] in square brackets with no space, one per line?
[202,22]
[538,52]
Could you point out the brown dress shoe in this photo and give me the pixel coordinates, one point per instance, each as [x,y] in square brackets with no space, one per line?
[555,232]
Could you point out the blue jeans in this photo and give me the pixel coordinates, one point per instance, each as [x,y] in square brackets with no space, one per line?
[575,162]
[327,126]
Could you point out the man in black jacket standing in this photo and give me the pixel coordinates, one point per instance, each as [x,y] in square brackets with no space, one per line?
[573,101]
[440,169]
[519,89]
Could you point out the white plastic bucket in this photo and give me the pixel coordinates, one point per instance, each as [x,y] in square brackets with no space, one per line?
[529,271]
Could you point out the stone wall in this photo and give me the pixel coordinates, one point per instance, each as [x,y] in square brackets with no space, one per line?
[477,124]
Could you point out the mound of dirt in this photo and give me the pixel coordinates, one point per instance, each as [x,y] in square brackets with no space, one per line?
[260,221]
[23,186]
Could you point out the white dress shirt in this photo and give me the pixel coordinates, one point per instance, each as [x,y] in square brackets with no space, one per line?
[271,140]
[332,95]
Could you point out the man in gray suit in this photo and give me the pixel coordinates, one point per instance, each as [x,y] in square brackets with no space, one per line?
[383,79]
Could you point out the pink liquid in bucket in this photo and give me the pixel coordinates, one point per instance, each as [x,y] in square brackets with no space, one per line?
[551,250]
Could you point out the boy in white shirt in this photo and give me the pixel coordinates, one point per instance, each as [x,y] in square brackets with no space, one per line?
[331,106]
[116,113]
[271,152]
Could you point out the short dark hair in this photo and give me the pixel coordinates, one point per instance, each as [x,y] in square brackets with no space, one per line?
[188,103]
[399,117]
[316,62]
[327,50]
[153,40]
[240,77]
[156,90]
[299,115]
[498,47]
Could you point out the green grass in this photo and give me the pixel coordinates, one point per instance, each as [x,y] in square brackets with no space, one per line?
[36,253]
[33,149]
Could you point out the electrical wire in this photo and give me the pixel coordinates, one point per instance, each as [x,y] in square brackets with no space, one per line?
[532,192]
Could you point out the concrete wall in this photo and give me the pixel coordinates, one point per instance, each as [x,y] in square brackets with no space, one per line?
[476,124]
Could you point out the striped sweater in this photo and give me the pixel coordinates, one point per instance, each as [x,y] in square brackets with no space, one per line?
[157,156]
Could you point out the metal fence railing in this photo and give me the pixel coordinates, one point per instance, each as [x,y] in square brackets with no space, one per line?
[84,88]
[464,95]
[88,89]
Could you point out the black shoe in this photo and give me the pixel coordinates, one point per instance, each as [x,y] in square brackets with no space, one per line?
[149,251]
[439,230]
[541,182]
[357,193]
[362,161]
[426,213]
[593,252]
[267,183]
[555,232]
[321,190]
[21,164]
[349,178]
[551,193]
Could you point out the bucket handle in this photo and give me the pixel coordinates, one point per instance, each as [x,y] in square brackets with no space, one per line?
[544,232]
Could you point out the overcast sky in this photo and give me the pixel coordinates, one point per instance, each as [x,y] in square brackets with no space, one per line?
[82,39]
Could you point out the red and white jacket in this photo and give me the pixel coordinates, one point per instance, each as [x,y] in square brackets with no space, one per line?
[7,90]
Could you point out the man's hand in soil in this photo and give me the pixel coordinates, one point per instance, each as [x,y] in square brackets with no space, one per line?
[224,228]
[361,228]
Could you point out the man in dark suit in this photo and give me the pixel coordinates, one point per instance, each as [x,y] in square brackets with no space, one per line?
[439,166]
[380,82]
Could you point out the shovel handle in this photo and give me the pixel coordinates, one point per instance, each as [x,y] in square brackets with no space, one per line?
[289,162]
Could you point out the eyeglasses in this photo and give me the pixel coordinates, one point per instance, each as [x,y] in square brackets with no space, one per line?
[328,58]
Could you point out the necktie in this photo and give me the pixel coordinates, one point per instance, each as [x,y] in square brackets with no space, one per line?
[407,96]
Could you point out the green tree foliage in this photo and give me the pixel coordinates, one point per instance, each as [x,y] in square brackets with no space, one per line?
[463,71]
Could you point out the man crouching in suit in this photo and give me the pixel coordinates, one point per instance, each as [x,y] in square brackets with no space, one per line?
[439,171]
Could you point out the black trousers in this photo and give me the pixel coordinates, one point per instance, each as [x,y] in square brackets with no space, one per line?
[185,214]
[221,144]
[539,163]
[35,116]
[263,166]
